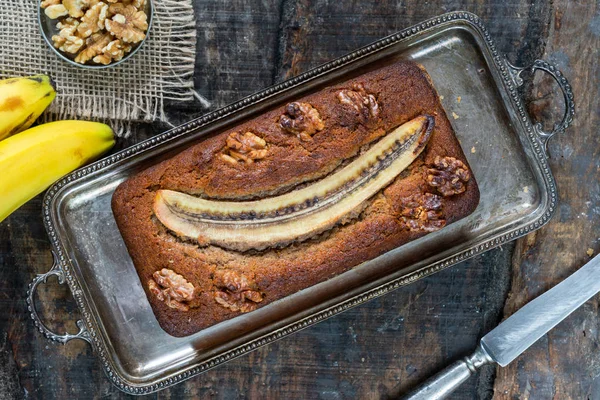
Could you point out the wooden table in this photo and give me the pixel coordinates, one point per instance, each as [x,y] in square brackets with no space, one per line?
[383,348]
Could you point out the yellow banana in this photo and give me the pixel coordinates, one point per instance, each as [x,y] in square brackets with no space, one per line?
[34,159]
[22,100]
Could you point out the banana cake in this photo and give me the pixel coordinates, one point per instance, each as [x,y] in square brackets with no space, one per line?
[294,197]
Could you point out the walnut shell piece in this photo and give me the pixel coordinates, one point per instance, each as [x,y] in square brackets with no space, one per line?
[448,175]
[171,288]
[128,24]
[245,148]
[364,103]
[301,119]
[422,212]
[236,292]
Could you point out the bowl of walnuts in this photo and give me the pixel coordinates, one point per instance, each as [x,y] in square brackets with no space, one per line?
[95,33]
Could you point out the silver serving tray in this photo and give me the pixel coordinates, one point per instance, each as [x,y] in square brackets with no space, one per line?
[504,148]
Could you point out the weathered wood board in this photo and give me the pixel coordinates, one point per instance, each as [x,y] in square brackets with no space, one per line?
[383,348]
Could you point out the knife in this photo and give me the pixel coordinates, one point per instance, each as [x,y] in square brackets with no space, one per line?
[513,336]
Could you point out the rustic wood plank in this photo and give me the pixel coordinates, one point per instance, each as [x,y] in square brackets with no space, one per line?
[563,364]
[380,349]
[316,31]
[236,47]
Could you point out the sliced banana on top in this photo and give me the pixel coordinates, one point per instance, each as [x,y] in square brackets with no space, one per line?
[300,214]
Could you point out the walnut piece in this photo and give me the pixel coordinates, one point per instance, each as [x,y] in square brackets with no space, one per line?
[245,148]
[48,3]
[114,51]
[56,11]
[102,59]
[139,4]
[93,47]
[301,119]
[67,39]
[364,103]
[75,7]
[236,291]
[67,26]
[448,175]
[93,20]
[172,288]
[127,24]
[422,212]
[68,44]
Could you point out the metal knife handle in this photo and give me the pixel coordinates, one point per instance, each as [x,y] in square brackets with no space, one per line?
[446,382]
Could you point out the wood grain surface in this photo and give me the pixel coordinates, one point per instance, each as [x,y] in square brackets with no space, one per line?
[383,348]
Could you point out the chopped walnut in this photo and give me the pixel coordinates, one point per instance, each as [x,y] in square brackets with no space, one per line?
[93,20]
[246,148]
[67,40]
[68,26]
[56,11]
[172,288]
[301,119]
[102,59]
[128,24]
[94,46]
[117,49]
[75,7]
[422,212]
[114,51]
[448,175]
[69,44]
[364,103]
[236,291]
[118,8]
[139,4]
[48,3]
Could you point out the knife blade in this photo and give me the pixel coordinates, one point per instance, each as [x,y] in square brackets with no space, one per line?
[518,332]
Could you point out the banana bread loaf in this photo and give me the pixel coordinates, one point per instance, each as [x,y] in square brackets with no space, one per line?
[294,197]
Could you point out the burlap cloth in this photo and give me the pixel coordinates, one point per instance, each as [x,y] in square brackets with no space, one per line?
[136,90]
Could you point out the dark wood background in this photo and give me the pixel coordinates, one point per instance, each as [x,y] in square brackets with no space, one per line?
[383,348]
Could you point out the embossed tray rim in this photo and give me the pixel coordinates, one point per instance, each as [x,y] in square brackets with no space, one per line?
[89,325]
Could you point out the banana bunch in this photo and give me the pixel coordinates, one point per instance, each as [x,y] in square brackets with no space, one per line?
[32,160]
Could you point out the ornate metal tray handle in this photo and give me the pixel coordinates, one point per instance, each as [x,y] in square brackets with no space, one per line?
[562,82]
[83,333]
